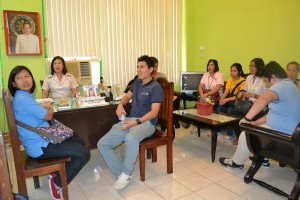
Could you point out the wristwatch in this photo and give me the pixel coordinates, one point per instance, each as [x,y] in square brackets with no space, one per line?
[138,121]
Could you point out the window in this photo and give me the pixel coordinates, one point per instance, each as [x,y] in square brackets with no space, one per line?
[118,32]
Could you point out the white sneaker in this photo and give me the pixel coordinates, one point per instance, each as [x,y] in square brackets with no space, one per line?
[123,181]
[227,139]
[195,131]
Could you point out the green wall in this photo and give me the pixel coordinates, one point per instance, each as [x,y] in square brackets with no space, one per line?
[35,63]
[238,31]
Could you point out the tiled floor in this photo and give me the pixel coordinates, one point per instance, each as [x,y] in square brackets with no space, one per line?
[195,177]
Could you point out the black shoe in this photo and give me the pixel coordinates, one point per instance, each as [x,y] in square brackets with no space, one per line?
[176,124]
[282,164]
[184,124]
[229,162]
[265,163]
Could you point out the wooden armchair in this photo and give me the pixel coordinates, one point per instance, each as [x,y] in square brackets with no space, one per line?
[165,121]
[276,145]
[5,188]
[29,167]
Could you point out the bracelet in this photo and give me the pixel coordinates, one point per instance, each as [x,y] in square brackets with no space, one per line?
[248,120]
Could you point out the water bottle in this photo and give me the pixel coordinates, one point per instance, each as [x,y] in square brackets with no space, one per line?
[123,117]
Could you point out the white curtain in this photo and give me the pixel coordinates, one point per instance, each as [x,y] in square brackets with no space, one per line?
[118,31]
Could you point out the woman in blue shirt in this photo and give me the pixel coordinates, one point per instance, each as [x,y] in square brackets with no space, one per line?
[21,85]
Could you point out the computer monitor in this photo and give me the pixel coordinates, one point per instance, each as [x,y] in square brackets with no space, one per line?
[189,81]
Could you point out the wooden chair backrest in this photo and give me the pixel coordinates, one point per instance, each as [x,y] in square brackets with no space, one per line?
[165,116]
[5,184]
[14,138]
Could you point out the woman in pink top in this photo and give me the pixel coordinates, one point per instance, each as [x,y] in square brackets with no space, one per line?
[211,82]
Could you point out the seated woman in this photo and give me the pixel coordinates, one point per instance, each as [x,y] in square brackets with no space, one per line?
[59,82]
[21,85]
[254,85]
[280,97]
[235,83]
[211,83]
[292,71]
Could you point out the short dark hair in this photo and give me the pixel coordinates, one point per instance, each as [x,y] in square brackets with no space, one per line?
[273,68]
[11,79]
[260,65]
[26,23]
[64,71]
[215,63]
[154,59]
[293,63]
[239,68]
[149,61]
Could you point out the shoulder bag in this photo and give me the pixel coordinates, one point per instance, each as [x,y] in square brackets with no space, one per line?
[57,132]
[242,106]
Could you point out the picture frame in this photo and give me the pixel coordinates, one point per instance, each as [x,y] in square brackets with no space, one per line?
[118,92]
[90,90]
[22,33]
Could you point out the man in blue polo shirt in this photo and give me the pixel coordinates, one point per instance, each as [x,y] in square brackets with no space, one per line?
[147,96]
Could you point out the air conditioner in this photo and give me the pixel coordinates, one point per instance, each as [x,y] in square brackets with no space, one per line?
[81,70]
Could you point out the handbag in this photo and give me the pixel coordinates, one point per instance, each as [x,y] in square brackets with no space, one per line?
[57,132]
[242,106]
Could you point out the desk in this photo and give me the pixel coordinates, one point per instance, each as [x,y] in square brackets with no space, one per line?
[90,123]
[215,122]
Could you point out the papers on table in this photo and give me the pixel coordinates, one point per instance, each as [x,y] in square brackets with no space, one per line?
[41,101]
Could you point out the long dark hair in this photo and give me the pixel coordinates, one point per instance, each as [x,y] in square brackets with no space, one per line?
[64,71]
[238,67]
[11,79]
[260,65]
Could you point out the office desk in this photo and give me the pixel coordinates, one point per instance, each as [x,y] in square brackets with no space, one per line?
[90,123]
[215,122]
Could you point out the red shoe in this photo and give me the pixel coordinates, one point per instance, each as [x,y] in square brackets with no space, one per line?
[54,190]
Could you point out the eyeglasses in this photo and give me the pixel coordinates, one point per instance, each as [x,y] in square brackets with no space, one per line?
[251,65]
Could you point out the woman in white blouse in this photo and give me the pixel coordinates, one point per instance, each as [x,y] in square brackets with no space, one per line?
[254,85]
[60,83]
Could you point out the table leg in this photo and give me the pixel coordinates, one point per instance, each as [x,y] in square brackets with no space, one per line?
[214,136]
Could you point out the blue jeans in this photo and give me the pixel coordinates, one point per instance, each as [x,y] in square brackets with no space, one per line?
[73,147]
[132,137]
[228,110]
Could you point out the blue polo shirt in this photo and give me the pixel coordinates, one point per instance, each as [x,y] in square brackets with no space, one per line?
[143,97]
[284,114]
[28,111]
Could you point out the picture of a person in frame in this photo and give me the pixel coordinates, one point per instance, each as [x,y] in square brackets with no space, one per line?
[22,33]
[91,92]
[27,42]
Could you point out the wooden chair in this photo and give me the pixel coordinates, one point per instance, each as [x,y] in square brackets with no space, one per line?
[165,121]
[29,167]
[269,143]
[5,184]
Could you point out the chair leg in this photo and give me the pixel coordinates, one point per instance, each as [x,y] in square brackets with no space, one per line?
[22,188]
[199,131]
[64,182]
[296,189]
[36,182]
[253,169]
[149,153]
[154,154]
[142,163]
[169,158]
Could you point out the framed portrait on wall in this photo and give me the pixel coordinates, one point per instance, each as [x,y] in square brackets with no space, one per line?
[22,33]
